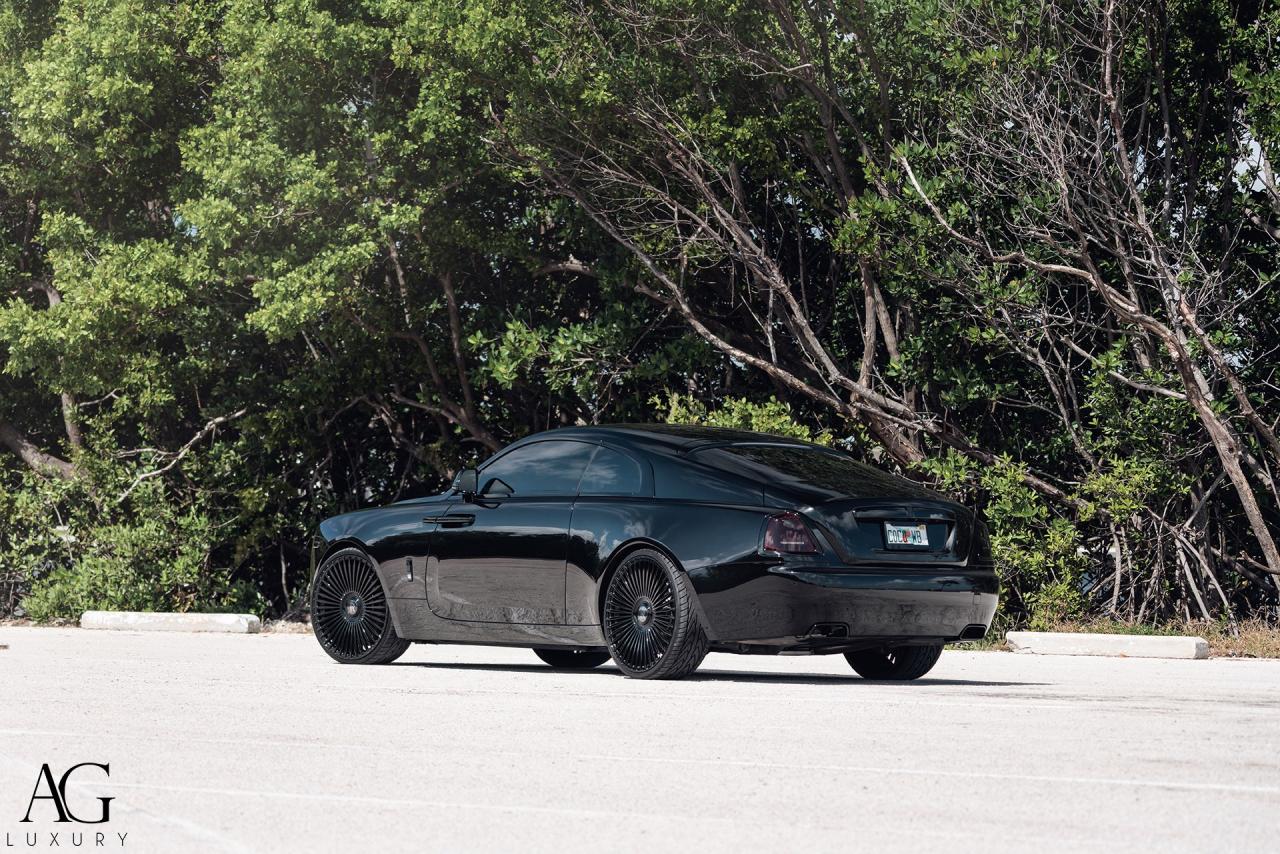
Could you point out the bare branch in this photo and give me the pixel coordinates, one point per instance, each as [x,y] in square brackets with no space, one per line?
[205,431]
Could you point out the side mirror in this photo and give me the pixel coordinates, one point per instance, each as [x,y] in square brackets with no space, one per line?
[467,483]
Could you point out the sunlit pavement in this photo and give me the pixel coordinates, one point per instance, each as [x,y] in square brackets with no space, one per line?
[261,743]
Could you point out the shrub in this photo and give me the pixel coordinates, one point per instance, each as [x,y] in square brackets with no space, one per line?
[66,550]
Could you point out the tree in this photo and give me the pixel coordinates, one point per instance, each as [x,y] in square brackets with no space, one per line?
[267,263]
[1138,217]
[757,163]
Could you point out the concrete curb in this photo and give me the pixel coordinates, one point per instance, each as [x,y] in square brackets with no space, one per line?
[137,621]
[1118,646]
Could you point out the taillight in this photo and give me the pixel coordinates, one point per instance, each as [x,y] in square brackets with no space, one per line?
[981,549]
[787,533]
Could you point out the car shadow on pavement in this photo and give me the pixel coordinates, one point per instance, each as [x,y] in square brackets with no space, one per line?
[508,668]
[713,675]
[826,679]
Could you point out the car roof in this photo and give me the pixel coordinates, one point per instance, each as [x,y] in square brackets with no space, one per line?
[682,437]
[684,441]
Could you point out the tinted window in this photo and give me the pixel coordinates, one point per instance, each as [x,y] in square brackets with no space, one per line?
[543,468]
[827,470]
[690,478]
[612,473]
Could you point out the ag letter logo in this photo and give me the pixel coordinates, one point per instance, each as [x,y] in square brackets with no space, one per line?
[58,794]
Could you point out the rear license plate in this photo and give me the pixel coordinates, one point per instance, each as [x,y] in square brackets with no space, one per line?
[906,535]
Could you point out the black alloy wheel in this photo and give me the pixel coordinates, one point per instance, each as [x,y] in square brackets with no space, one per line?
[896,664]
[349,611]
[651,623]
[572,659]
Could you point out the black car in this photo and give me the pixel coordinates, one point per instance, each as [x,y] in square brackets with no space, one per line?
[655,544]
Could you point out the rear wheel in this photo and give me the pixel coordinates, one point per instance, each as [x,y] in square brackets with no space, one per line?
[898,663]
[349,611]
[650,622]
[572,659]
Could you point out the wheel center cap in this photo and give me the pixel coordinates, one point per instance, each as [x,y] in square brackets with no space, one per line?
[352,607]
[644,613]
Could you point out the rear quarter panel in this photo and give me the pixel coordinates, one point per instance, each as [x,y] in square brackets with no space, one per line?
[710,541]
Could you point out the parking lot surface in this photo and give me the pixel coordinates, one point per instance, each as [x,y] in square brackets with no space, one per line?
[262,743]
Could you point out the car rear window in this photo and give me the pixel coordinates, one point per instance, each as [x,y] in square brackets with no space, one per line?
[825,469]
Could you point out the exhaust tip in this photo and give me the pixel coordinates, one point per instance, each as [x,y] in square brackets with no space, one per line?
[828,630]
[973,632]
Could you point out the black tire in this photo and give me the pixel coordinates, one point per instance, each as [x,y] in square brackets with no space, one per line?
[651,623]
[897,664]
[350,614]
[572,659]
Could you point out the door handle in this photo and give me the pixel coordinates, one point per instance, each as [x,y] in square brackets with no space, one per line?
[452,520]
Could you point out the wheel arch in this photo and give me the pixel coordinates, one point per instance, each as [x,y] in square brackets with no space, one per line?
[621,553]
[333,547]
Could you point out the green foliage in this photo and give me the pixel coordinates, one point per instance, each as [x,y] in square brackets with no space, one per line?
[78,554]
[293,259]
[1036,554]
[768,416]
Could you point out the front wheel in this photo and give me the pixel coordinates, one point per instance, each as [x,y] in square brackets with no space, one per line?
[349,611]
[651,623]
[897,664]
[572,659]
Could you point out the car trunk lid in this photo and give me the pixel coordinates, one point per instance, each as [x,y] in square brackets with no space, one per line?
[895,530]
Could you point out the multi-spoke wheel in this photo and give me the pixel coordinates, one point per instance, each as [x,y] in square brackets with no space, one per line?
[650,621]
[898,663]
[349,611]
[572,659]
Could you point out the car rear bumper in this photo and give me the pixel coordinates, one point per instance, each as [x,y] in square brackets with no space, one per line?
[812,606]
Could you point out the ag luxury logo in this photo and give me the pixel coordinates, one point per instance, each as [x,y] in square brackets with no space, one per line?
[50,802]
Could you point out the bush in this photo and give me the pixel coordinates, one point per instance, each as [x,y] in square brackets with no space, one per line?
[65,550]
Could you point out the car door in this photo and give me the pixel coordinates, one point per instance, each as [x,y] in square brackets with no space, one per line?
[501,558]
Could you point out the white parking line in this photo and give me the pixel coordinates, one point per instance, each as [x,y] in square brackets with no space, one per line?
[647,817]
[411,802]
[1129,782]
[971,775]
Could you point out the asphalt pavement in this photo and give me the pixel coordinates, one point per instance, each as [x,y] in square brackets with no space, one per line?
[262,743]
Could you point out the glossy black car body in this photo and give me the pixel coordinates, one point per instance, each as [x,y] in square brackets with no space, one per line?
[525,555]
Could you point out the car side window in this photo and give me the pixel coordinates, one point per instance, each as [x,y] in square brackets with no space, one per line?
[541,468]
[612,473]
